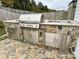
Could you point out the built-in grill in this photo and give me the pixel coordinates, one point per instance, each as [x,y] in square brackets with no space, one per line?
[30,20]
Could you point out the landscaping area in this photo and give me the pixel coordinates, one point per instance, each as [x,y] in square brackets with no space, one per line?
[2,29]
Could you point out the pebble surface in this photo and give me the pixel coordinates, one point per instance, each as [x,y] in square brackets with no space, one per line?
[12,49]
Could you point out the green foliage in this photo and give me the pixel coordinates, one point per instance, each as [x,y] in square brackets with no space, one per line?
[2,29]
[40,5]
[26,5]
[33,3]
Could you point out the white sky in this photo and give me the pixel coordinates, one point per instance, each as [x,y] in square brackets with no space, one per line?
[55,4]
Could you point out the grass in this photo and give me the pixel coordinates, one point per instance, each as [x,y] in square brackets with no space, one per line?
[2,28]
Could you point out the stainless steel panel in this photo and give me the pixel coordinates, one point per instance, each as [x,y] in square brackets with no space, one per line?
[13,34]
[30,36]
[34,37]
[54,40]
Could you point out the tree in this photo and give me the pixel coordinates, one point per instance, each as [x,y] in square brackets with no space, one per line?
[26,5]
[46,9]
[34,6]
[33,3]
[7,3]
[40,5]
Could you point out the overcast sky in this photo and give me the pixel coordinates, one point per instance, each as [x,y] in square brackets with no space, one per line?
[55,4]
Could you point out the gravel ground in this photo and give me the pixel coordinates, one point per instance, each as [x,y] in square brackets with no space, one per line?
[11,49]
